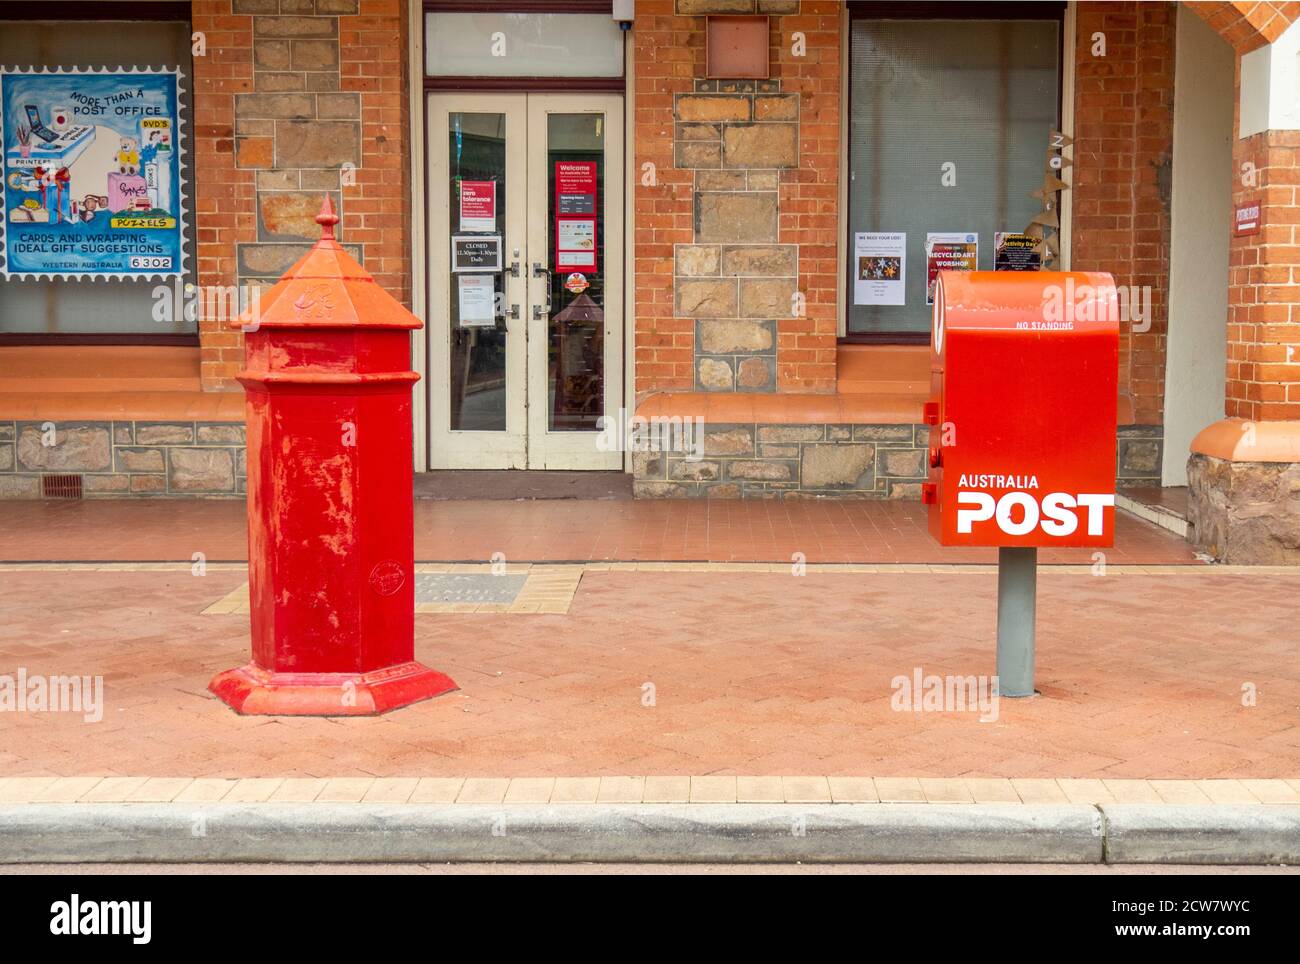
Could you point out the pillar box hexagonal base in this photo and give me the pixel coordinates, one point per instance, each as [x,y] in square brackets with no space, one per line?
[253,690]
[331,539]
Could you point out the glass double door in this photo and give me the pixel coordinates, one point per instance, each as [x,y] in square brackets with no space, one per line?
[525,279]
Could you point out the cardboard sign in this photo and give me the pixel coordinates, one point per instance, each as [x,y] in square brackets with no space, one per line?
[1246,218]
[478,205]
[475,253]
[575,215]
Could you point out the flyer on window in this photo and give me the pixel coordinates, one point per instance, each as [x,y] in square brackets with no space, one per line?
[948,252]
[880,268]
[1013,251]
[92,174]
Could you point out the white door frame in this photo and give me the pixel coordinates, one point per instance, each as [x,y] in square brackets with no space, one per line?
[527,441]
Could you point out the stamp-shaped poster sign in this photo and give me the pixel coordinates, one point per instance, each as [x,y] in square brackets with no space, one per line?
[92,174]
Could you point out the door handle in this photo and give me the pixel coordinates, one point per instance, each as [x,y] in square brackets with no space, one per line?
[542,312]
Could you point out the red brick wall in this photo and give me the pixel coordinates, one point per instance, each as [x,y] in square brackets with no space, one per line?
[809,196]
[1123,145]
[377,209]
[372,61]
[223,195]
[1263,380]
[669,53]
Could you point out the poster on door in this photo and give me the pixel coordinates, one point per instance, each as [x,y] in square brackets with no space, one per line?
[476,300]
[91,184]
[478,206]
[575,215]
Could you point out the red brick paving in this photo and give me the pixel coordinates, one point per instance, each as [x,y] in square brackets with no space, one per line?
[753,673]
[559,530]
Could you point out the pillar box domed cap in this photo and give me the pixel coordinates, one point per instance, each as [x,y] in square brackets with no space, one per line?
[327,289]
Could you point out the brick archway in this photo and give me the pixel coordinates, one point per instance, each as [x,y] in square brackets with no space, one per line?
[1242,503]
[1247,26]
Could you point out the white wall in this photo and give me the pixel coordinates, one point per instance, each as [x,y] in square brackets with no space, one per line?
[1198,266]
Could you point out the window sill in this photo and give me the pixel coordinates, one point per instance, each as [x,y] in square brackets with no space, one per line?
[886,338]
[103,382]
[67,339]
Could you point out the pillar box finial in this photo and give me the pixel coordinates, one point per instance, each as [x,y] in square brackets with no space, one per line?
[331,544]
[327,219]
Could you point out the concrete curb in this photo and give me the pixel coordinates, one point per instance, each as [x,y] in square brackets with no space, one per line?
[870,833]
[1145,833]
[678,833]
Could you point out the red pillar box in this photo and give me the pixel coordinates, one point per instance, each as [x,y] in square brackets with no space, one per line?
[1022,419]
[331,570]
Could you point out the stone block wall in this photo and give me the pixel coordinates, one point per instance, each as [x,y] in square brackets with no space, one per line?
[829,461]
[1245,513]
[736,281]
[123,459]
[748,461]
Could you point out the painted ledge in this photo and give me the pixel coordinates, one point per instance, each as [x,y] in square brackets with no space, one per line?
[124,406]
[721,408]
[1232,440]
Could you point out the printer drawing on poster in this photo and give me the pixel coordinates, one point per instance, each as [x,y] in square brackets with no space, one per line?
[92,174]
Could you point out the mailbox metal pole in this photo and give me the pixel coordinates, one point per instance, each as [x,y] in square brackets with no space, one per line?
[1017,598]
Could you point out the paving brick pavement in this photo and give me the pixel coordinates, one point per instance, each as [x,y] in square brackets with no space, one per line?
[752,673]
[556,530]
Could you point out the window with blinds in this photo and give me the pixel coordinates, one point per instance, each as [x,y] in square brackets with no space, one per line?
[980,95]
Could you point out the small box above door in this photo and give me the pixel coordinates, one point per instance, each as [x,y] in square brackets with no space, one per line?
[737,48]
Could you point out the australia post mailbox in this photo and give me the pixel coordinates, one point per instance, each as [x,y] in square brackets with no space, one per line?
[1022,430]
[1022,414]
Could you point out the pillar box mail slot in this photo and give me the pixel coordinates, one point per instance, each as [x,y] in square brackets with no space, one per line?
[1022,415]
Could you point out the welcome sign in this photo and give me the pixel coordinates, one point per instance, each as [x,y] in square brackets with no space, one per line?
[92,174]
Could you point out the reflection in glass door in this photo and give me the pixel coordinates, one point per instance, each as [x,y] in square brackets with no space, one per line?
[575,242]
[575,334]
[477,192]
[476,152]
